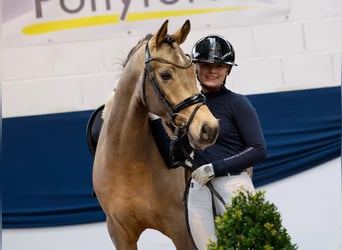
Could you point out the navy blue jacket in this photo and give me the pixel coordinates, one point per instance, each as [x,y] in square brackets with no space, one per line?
[240,143]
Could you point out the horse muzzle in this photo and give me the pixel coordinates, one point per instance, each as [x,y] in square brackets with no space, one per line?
[204,134]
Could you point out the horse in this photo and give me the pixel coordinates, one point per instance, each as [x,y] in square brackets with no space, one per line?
[134,187]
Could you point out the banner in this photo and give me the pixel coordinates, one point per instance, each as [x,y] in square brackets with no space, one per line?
[28,22]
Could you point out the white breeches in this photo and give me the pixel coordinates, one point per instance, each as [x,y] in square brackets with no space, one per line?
[200,207]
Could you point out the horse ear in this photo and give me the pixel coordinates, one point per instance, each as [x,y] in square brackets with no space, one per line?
[161,34]
[181,34]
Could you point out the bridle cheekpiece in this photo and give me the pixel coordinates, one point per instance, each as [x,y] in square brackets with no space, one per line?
[173,111]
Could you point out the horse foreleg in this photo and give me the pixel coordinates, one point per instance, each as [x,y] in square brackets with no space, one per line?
[180,235]
[122,238]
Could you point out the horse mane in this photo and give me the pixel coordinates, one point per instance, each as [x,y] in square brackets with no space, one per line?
[135,48]
[168,39]
[110,99]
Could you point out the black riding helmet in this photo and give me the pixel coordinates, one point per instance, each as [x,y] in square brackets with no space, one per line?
[213,49]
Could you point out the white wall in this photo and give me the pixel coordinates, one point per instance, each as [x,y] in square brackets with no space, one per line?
[310,204]
[302,52]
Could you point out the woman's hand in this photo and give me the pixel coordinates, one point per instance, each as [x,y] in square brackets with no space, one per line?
[203,174]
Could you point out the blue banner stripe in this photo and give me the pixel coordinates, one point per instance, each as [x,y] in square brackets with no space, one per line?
[47,166]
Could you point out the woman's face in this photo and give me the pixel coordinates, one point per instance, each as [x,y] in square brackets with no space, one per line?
[212,75]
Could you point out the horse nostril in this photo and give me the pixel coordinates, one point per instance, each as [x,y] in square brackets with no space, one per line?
[208,133]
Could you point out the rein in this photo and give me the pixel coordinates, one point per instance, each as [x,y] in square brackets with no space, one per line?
[189,164]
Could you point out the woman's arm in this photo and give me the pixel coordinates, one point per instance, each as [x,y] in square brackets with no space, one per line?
[248,125]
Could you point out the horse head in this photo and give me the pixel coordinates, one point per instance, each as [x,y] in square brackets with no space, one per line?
[170,79]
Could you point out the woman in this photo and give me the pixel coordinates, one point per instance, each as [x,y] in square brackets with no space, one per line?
[240,143]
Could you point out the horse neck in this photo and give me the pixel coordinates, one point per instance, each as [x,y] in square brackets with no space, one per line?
[128,119]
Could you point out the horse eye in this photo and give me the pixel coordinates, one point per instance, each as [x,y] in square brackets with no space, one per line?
[166,76]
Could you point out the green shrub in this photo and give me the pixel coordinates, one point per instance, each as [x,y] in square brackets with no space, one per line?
[250,223]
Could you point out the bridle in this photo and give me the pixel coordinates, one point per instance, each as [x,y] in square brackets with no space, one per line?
[173,111]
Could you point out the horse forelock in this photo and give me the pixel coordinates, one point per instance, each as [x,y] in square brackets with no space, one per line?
[179,54]
[170,40]
[174,55]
